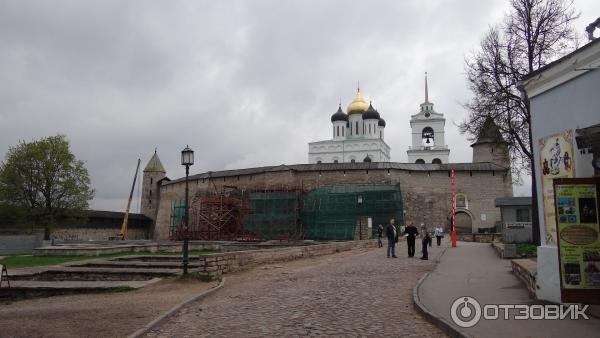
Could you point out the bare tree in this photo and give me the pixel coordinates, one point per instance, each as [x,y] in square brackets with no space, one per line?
[532,34]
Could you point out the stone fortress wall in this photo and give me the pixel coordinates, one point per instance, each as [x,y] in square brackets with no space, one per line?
[425,188]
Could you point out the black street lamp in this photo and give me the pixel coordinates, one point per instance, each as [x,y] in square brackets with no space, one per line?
[360,219]
[187,159]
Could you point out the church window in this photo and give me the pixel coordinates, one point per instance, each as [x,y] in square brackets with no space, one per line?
[436,161]
[356,127]
[338,130]
[335,161]
[369,129]
[420,161]
[319,162]
[149,201]
[343,131]
[150,194]
[380,134]
[150,180]
[352,161]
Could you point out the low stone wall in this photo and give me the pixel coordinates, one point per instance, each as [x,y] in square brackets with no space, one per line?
[97,233]
[214,265]
[245,246]
[499,248]
[19,244]
[526,270]
[481,238]
[96,250]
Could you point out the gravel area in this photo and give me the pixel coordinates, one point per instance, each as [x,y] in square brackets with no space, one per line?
[94,315]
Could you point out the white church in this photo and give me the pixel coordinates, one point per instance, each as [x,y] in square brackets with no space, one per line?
[359,136]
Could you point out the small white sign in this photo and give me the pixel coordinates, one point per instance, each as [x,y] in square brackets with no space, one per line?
[370,223]
[483,217]
[1,272]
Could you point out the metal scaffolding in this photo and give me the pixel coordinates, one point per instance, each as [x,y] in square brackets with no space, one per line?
[287,213]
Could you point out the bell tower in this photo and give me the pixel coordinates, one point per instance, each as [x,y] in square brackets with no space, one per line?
[428,143]
[154,172]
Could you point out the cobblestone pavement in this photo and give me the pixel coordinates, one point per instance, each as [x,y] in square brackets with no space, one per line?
[356,293]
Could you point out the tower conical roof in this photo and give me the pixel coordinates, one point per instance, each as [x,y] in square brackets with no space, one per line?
[489,132]
[154,164]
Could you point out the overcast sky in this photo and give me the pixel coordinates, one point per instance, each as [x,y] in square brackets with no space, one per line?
[244,83]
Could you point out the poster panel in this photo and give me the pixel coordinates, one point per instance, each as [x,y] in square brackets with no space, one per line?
[556,159]
[578,232]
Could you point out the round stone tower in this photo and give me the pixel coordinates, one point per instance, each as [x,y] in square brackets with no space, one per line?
[490,145]
[153,174]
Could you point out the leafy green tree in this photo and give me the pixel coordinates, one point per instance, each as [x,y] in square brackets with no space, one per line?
[45,180]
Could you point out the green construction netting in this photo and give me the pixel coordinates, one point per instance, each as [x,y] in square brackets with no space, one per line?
[177,214]
[330,212]
[326,213]
[273,215]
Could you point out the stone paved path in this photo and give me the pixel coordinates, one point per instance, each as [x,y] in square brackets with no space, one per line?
[356,293]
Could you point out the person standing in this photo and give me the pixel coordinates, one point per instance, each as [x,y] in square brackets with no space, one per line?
[379,235]
[439,234]
[411,234]
[391,234]
[426,240]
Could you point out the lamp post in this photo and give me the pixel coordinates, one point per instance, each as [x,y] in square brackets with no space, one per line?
[187,159]
[360,219]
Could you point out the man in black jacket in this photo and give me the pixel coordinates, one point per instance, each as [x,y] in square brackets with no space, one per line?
[412,233]
[392,235]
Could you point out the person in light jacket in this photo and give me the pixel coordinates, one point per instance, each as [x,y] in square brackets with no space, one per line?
[439,234]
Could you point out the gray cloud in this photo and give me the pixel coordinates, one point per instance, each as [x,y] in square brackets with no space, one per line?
[244,83]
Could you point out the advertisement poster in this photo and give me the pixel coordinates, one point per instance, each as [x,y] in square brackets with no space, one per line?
[578,233]
[556,159]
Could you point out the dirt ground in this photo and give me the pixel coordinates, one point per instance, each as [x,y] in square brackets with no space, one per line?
[95,315]
[117,314]
[120,314]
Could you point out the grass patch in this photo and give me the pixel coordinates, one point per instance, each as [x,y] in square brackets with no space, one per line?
[26,261]
[526,249]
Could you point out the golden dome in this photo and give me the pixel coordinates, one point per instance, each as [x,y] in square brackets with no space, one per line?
[358,105]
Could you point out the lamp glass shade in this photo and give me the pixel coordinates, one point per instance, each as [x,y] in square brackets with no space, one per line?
[187,156]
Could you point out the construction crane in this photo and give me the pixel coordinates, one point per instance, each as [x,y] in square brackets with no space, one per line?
[123,233]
